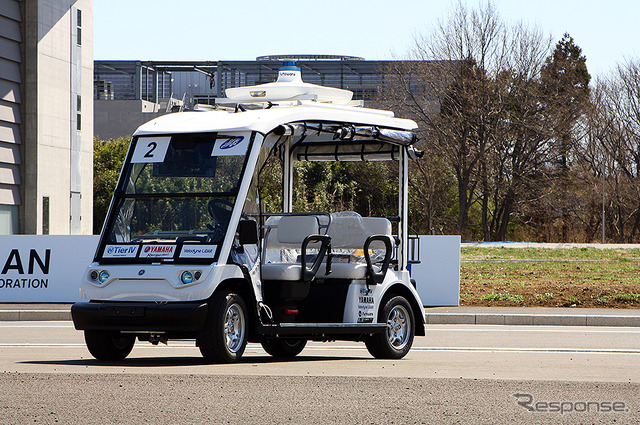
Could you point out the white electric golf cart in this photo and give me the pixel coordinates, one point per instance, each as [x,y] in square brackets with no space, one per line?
[188,250]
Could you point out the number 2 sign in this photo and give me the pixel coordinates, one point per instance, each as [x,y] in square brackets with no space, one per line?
[150,149]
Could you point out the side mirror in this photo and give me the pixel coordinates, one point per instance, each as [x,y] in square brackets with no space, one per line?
[247,232]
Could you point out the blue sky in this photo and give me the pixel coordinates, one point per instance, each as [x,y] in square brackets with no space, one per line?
[607,31]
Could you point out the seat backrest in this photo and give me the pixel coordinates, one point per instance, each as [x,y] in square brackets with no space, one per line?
[377,225]
[271,234]
[348,230]
[294,228]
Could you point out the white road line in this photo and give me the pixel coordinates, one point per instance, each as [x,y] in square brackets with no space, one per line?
[445,328]
[522,328]
[499,349]
[35,327]
[37,344]
[361,349]
[532,350]
[54,344]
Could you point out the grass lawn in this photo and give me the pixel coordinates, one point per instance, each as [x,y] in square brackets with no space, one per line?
[542,277]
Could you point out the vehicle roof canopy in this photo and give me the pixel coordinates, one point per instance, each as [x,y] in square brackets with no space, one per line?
[266,120]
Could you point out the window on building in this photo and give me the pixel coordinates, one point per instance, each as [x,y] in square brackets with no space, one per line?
[9,220]
[78,103]
[79,27]
[78,122]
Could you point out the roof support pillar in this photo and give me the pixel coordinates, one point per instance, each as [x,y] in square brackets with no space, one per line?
[403,204]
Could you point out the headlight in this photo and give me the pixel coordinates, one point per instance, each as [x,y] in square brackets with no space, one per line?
[104,275]
[186,277]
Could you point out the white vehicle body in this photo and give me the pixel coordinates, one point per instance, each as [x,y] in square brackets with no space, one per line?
[241,274]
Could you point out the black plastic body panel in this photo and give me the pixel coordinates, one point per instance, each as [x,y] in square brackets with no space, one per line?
[140,316]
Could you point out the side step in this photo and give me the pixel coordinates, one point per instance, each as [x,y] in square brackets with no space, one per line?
[321,329]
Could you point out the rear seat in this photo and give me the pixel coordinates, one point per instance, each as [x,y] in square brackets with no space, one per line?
[349,233]
[285,235]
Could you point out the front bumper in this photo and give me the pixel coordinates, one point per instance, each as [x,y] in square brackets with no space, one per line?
[139,316]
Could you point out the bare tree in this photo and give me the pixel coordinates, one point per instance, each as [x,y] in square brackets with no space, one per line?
[482,75]
[471,47]
[414,89]
[518,159]
[614,147]
[507,115]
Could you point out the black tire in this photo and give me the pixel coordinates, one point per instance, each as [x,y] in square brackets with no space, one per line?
[224,336]
[109,345]
[396,342]
[284,347]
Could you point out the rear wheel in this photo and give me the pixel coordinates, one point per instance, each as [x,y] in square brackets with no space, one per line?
[396,342]
[224,336]
[284,347]
[109,345]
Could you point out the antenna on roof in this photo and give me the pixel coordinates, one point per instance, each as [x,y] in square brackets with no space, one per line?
[288,87]
[289,73]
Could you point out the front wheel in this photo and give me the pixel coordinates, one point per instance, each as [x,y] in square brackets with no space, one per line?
[109,345]
[396,342]
[224,336]
[284,347]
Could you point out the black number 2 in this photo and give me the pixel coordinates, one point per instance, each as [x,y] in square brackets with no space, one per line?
[152,146]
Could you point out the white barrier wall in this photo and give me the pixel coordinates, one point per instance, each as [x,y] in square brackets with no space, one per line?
[43,269]
[438,274]
[48,269]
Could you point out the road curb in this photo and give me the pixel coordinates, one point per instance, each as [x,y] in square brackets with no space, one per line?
[34,315]
[531,319]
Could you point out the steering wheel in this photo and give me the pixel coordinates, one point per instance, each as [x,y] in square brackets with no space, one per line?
[220,212]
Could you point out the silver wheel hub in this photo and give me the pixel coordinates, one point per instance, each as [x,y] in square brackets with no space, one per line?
[398,327]
[234,328]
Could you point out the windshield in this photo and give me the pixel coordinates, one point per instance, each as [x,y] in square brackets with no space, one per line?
[175,195]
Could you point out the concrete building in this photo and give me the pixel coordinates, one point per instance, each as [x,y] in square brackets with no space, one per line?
[130,93]
[46,116]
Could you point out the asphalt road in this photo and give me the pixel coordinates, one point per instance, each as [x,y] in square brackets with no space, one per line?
[456,374]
